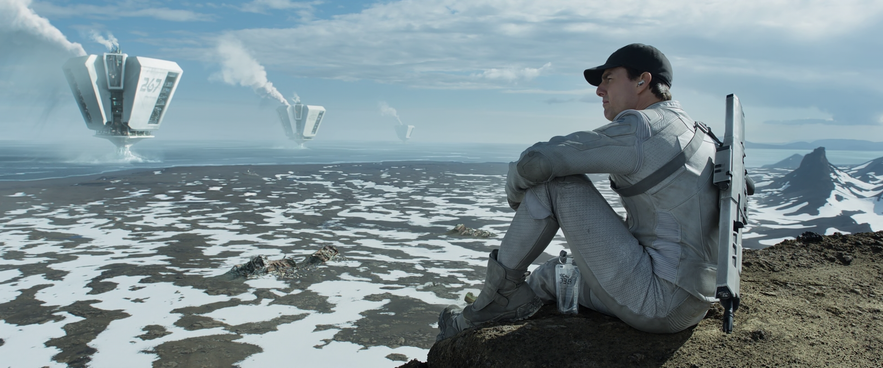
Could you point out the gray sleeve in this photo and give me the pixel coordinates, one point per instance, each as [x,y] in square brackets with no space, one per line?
[614,149]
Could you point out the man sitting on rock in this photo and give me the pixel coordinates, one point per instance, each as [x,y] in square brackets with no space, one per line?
[656,271]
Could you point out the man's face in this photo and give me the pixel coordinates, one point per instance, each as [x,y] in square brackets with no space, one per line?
[617,91]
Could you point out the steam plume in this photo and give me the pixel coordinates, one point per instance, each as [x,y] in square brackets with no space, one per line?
[32,51]
[110,42]
[386,110]
[239,67]
[16,17]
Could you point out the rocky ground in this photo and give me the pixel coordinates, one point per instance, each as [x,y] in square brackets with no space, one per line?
[814,301]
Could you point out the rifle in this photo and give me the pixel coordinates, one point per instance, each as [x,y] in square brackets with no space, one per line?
[732,179]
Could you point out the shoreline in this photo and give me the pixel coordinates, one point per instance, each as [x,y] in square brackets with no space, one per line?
[126,171]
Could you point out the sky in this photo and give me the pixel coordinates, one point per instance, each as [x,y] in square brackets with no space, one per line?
[476,71]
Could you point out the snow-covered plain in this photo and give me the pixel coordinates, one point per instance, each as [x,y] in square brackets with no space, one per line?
[139,245]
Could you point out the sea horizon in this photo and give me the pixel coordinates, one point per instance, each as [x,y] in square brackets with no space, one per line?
[31,160]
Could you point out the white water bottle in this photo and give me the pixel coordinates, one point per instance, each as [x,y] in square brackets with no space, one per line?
[567,284]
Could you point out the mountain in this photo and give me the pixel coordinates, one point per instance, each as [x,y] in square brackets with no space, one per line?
[811,183]
[817,197]
[792,162]
[834,144]
[871,171]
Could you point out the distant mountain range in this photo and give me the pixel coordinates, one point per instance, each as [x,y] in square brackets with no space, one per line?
[816,196]
[832,144]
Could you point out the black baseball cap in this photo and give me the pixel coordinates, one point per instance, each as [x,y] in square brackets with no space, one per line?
[644,58]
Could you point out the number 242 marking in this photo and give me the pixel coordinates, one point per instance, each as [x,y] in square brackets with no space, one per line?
[150,84]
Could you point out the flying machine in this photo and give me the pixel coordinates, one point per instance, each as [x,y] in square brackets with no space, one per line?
[122,98]
[301,122]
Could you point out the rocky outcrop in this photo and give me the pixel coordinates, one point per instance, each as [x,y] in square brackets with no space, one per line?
[811,182]
[811,301]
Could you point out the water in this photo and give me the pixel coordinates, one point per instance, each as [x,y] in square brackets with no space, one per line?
[21,161]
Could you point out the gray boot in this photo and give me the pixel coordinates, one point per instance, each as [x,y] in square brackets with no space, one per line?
[505,297]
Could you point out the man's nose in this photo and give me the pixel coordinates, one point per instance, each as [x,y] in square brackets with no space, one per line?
[600,91]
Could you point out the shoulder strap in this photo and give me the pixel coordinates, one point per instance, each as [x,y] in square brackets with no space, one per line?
[669,168]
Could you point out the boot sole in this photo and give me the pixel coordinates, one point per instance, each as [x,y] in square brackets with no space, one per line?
[523,312]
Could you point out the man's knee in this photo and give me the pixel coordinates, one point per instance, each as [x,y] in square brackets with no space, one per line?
[535,167]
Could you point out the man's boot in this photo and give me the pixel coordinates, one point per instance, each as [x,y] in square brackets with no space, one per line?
[505,297]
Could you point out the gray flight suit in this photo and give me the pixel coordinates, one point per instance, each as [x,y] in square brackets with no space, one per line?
[656,270]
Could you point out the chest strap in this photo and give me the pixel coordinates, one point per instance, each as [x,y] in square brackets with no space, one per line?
[666,170]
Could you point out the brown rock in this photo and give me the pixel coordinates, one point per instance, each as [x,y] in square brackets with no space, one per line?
[784,320]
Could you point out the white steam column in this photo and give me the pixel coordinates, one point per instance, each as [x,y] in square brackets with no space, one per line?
[301,122]
[123,99]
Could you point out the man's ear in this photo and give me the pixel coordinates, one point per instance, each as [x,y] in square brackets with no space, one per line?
[645,78]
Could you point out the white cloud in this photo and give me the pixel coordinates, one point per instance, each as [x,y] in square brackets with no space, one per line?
[512,74]
[264,6]
[769,69]
[118,10]
[447,43]
[582,91]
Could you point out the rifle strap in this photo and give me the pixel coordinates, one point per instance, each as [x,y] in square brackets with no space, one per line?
[669,168]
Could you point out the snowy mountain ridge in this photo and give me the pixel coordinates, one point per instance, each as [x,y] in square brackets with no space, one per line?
[817,197]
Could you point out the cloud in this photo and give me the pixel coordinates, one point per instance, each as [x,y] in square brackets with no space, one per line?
[460,44]
[264,6]
[582,91]
[767,51]
[513,74]
[116,10]
[238,67]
